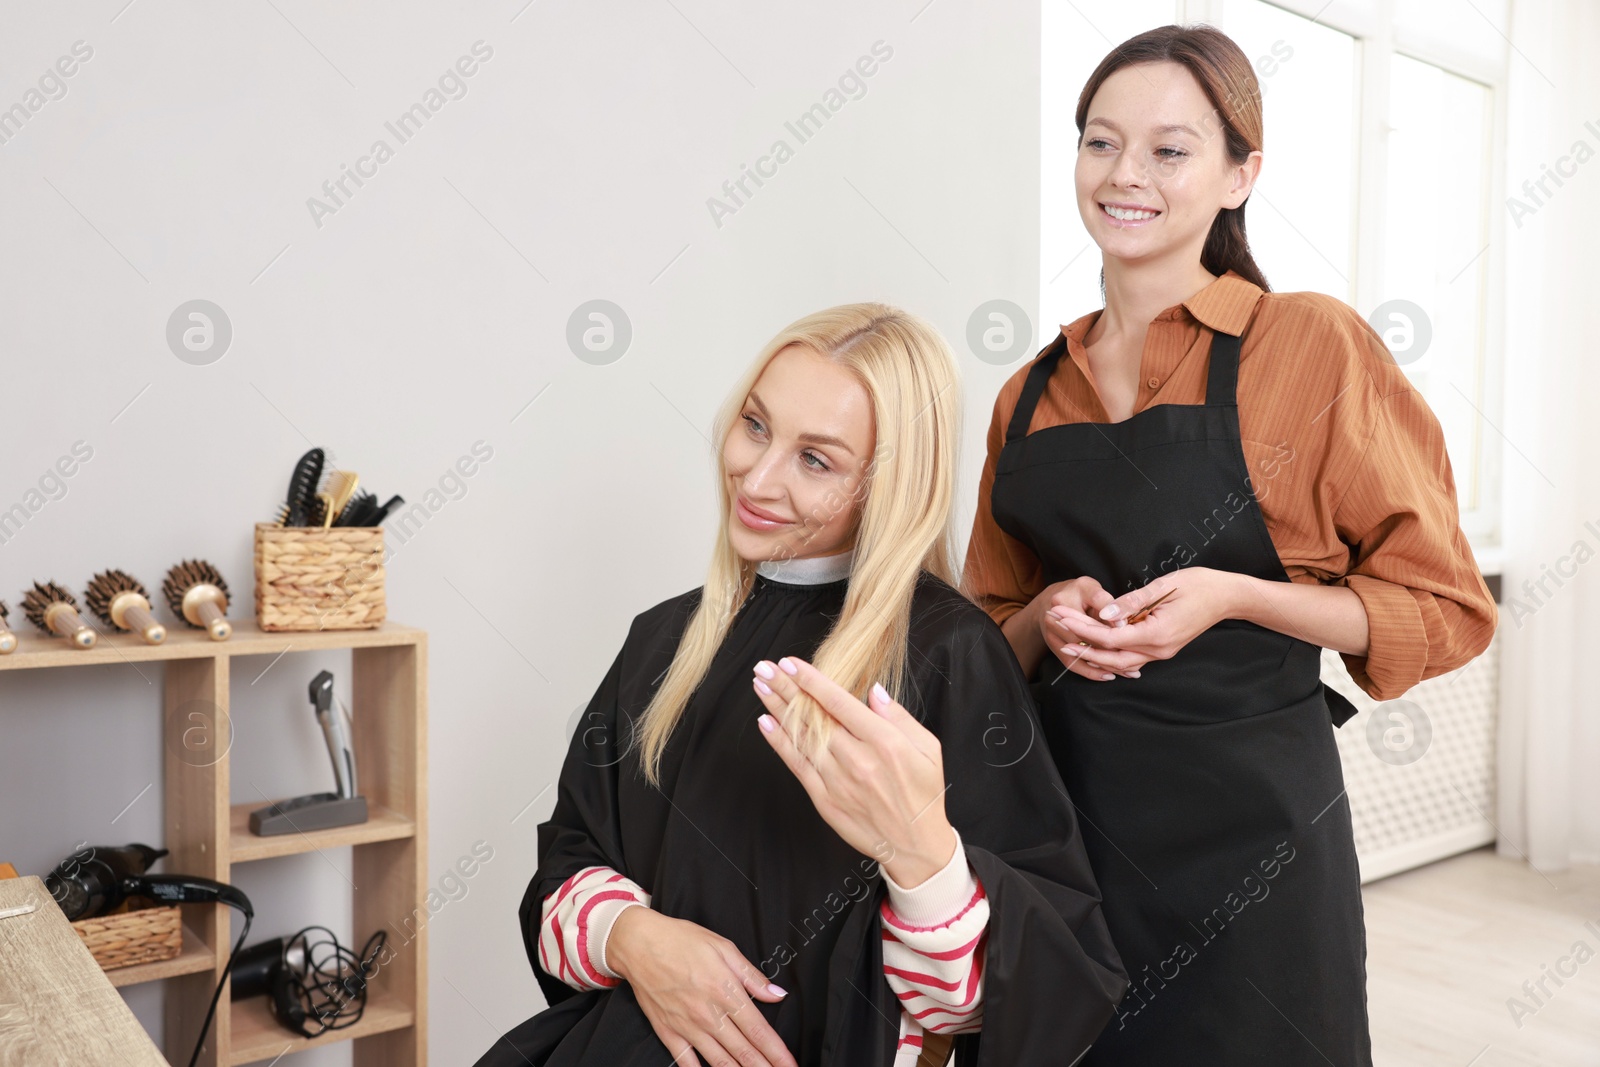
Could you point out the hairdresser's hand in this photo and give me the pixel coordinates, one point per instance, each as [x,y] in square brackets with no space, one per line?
[695,988]
[1082,597]
[879,782]
[1200,597]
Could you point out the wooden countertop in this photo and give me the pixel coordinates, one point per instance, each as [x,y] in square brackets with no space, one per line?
[57,1007]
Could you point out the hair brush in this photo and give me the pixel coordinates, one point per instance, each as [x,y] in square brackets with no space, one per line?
[303,488]
[313,512]
[120,600]
[341,487]
[361,506]
[8,640]
[197,594]
[52,609]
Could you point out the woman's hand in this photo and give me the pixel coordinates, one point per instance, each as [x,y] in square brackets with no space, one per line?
[1084,597]
[879,782]
[1192,601]
[695,988]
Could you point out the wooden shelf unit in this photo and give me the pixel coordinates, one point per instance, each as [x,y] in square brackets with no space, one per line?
[207,835]
[196,956]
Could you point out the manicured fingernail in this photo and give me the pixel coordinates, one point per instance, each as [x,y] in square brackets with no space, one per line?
[766,722]
[764,669]
[777,990]
[762,687]
[788,666]
[1107,677]
[880,692]
[1110,611]
[1133,674]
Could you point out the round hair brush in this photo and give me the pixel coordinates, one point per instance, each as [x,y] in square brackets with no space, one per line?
[197,594]
[120,599]
[8,640]
[52,609]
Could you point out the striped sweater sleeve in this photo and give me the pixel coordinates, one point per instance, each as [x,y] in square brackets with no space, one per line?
[933,946]
[576,920]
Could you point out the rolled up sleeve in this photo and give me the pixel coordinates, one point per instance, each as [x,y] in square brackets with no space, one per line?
[1428,609]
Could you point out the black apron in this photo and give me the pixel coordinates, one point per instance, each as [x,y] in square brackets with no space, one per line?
[1210,788]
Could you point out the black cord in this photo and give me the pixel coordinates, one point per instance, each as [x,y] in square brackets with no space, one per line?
[223,981]
[332,983]
[328,987]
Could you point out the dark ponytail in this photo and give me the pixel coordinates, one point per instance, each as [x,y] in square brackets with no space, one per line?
[1225,74]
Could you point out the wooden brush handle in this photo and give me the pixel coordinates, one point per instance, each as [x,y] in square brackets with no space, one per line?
[64,620]
[137,616]
[212,619]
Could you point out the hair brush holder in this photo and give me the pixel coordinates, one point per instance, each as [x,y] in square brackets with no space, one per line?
[308,578]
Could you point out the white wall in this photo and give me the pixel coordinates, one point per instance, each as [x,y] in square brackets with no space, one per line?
[1076,38]
[422,317]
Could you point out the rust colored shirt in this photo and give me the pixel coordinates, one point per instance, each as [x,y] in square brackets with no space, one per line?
[1346,460]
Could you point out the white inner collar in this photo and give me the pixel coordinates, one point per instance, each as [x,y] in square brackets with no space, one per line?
[812,570]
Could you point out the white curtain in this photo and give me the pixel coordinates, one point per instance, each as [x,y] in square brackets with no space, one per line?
[1549,755]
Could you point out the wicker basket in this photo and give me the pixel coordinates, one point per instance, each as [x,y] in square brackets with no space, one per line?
[308,578]
[141,933]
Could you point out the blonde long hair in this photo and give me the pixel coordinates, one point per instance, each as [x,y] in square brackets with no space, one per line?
[905,526]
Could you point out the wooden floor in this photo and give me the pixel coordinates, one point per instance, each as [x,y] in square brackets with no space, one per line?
[1448,945]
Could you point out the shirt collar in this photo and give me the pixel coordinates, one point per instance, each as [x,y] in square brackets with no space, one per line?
[1224,306]
[810,570]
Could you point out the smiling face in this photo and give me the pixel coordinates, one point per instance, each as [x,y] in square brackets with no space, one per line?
[1153,167]
[796,459]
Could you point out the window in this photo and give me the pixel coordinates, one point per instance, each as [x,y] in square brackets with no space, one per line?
[1302,212]
[1435,249]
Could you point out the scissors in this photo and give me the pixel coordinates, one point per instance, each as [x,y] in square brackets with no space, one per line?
[1142,613]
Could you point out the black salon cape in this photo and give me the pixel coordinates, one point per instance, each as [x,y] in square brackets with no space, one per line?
[740,849]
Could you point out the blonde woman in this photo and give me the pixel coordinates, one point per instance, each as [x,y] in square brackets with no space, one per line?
[806,820]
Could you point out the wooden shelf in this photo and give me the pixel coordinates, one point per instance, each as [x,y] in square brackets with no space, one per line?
[206,834]
[36,650]
[244,846]
[196,956]
[258,1036]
